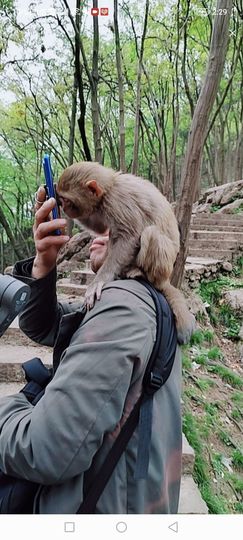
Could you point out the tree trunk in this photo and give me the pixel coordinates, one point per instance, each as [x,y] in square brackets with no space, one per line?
[78,86]
[238,175]
[9,234]
[169,188]
[94,89]
[193,159]
[138,97]
[121,91]
[74,104]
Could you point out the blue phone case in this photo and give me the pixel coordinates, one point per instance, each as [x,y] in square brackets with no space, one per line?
[50,186]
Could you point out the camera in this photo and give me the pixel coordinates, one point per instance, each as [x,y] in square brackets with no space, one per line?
[13,296]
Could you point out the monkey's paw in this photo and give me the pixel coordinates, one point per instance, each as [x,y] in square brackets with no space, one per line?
[93,292]
[185,328]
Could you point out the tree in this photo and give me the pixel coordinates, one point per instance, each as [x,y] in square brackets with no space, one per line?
[191,169]
[122,147]
[138,92]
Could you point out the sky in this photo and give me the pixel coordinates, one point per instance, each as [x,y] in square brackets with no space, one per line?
[45,7]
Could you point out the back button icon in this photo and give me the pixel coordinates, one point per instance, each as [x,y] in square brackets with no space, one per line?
[174,527]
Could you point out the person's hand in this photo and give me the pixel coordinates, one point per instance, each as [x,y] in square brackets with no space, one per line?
[47,244]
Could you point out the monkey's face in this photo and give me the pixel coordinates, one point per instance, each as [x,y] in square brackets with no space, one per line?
[78,201]
[79,194]
[69,208]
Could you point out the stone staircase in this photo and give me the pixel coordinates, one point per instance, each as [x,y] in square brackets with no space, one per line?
[217,236]
[15,348]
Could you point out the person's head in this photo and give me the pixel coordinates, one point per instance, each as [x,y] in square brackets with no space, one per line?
[98,250]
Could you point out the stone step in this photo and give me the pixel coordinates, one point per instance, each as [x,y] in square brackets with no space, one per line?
[87,264]
[229,220]
[13,355]
[220,254]
[66,287]
[188,456]
[226,228]
[191,501]
[234,237]
[82,277]
[204,261]
[214,244]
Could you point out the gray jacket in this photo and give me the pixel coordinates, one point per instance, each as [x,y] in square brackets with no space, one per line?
[99,361]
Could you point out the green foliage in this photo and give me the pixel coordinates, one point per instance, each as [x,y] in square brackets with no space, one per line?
[214,208]
[236,414]
[215,353]
[191,429]
[238,507]
[204,384]
[221,313]
[227,375]
[238,210]
[228,318]
[237,459]
[186,362]
[200,336]
[238,267]
[237,397]
[224,437]
[202,355]
[211,291]
[6,6]
[237,483]
[218,466]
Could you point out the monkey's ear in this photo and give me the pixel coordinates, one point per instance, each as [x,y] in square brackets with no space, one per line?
[95,188]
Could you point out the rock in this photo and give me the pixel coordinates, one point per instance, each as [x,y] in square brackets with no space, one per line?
[196,304]
[77,246]
[240,335]
[229,208]
[227,266]
[65,267]
[191,501]
[240,351]
[224,195]
[215,193]
[231,193]
[235,299]
[203,208]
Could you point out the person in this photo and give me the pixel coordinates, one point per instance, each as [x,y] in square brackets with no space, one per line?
[99,357]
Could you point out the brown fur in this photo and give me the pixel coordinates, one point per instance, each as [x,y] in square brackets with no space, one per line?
[144,235]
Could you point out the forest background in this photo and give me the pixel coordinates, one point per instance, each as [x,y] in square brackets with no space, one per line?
[120,89]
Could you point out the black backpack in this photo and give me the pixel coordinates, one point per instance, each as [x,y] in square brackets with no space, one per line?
[17,496]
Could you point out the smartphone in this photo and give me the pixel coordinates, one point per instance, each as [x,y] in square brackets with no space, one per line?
[49,187]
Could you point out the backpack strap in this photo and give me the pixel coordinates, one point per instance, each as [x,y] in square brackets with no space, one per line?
[157,372]
[37,376]
[155,376]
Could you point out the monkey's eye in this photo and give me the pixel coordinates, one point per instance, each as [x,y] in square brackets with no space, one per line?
[67,204]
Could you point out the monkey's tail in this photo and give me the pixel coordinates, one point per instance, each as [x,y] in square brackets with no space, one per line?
[156,256]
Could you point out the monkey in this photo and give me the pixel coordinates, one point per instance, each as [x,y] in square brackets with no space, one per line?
[144,235]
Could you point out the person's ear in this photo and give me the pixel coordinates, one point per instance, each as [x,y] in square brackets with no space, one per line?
[95,188]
